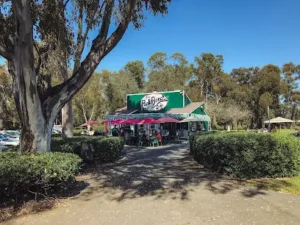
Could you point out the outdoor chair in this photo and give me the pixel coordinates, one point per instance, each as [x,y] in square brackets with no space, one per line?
[140,142]
[155,142]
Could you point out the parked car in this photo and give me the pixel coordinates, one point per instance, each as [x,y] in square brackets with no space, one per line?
[2,148]
[15,133]
[55,131]
[7,142]
[12,137]
[57,128]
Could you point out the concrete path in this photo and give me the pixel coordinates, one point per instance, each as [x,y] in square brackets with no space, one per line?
[165,186]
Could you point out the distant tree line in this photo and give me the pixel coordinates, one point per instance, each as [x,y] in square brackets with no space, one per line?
[241,98]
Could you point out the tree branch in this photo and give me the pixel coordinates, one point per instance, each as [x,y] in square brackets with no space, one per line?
[81,37]
[60,94]
[5,52]
[37,69]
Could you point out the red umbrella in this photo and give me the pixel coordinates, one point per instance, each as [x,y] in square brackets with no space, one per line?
[148,121]
[90,123]
[167,120]
[130,121]
[117,121]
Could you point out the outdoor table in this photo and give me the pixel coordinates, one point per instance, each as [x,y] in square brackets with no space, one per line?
[165,138]
[134,140]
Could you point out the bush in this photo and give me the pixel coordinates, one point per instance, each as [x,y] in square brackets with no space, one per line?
[108,149]
[105,149]
[248,155]
[24,172]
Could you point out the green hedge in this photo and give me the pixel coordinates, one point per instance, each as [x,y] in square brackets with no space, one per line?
[24,172]
[105,149]
[108,149]
[248,155]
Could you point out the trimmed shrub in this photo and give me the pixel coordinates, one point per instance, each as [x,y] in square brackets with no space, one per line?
[29,172]
[248,155]
[105,149]
[108,149]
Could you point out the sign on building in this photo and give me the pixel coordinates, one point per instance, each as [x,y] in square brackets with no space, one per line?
[154,102]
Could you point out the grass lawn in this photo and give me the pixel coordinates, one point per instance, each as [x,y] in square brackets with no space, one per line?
[287,131]
[287,185]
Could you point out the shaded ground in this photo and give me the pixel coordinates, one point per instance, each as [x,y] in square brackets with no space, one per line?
[165,186]
[35,202]
[287,185]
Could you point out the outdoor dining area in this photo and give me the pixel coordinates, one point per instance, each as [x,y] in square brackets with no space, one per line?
[157,118]
[146,132]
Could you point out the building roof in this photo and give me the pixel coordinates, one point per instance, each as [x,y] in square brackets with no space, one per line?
[188,109]
[123,110]
[279,120]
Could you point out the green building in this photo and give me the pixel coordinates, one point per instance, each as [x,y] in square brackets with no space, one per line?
[156,105]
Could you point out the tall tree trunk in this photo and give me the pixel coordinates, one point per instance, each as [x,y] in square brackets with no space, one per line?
[38,108]
[35,124]
[66,112]
[293,112]
[67,120]
[1,116]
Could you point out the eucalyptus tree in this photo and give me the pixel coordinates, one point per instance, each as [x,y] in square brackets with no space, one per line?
[26,26]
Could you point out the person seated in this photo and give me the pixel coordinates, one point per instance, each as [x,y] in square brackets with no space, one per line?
[115,132]
[127,137]
[158,136]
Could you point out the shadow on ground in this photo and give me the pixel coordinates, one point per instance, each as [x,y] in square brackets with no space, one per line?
[30,203]
[162,172]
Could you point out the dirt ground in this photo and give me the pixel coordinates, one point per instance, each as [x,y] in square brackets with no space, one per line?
[163,185]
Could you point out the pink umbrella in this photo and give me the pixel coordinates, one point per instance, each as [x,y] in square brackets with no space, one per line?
[167,120]
[117,121]
[90,123]
[130,121]
[148,121]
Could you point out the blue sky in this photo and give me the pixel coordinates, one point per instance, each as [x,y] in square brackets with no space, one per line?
[246,33]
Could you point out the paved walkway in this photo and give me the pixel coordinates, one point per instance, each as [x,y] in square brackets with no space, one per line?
[165,186]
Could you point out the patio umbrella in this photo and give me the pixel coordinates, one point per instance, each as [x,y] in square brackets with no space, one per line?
[130,121]
[117,121]
[148,121]
[90,123]
[167,120]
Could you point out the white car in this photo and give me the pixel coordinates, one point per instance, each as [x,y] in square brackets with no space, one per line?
[4,141]
[11,132]
[55,131]
[2,148]
[12,137]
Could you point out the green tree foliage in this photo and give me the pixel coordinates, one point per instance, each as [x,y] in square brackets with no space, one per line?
[207,73]
[238,99]
[167,74]
[136,70]
[117,86]
[89,103]
[8,115]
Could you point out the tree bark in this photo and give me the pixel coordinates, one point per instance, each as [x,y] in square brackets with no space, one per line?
[1,117]
[67,111]
[38,109]
[67,120]
[293,112]
[36,125]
